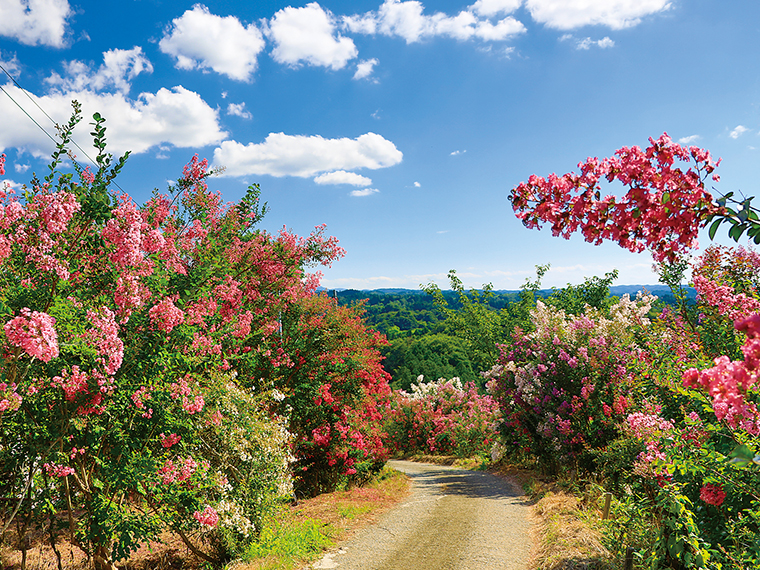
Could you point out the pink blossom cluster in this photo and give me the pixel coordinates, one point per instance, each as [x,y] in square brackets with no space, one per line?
[182,471]
[209,517]
[10,399]
[58,470]
[166,315]
[662,211]
[170,440]
[729,382]
[712,494]
[72,383]
[725,299]
[2,164]
[123,232]
[33,331]
[87,176]
[104,335]
[191,405]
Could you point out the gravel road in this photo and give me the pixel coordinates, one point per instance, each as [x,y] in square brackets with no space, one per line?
[454,520]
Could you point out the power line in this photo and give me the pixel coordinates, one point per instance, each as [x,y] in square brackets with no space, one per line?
[25,92]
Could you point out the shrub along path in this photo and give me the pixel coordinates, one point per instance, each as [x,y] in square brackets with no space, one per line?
[454,520]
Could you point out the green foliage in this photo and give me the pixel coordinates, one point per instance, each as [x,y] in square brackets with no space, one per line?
[432,356]
[594,292]
[475,322]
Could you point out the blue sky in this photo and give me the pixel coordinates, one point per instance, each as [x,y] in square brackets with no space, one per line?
[402,125]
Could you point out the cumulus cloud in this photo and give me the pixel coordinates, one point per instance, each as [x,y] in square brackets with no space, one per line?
[10,62]
[493,7]
[201,40]
[690,139]
[417,185]
[407,20]
[119,68]
[21,168]
[305,156]
[175,116]
[238,110]
[615,14]
[458,152]
[343,177]
[365,192]
[35,22]
[738,131]
[588,43]
[364,68]
[308,35]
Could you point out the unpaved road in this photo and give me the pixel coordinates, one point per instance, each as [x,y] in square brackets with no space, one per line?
[454,520]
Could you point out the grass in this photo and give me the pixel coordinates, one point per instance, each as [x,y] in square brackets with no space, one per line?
[299,534]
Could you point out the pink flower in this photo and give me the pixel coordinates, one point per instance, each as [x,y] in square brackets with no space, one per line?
[58,470]
[208,517]
[170,440]
[712,494]
[165,315]
[34,332]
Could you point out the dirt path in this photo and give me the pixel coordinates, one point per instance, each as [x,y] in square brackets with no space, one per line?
[454,520]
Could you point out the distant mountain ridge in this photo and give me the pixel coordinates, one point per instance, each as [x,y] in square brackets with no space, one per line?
[617,290]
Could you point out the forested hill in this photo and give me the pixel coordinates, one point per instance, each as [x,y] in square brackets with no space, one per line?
[400,312]
[426,339]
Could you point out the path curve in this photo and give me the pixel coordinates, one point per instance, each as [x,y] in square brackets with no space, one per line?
[454,519]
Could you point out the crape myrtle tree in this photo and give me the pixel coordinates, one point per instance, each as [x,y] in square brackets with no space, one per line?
[146,351]
[678,435]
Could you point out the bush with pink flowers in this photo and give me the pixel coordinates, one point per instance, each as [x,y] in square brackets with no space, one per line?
[681,456]
[442,417]
[153,373]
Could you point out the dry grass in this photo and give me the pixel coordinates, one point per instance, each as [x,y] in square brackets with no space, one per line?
[472,463]
[564,537]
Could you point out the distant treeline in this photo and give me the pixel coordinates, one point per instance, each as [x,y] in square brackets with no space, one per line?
[439,333]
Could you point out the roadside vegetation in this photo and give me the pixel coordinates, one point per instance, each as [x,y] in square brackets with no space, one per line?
[172,380]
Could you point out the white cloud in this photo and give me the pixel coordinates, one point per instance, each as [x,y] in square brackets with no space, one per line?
[490,8]
[21,168]
[615,14]
[308,35]
[119,68]
[343,177]
[238,110]
[417,184]
[305,156]
[10,62]
[458,152]
[364,68]
[365,192]
[178,117]
[199,39]
[587,43]
[738,131]
[34,22]
[407,20]
[690,139]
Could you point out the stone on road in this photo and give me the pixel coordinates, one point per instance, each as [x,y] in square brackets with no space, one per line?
[454,519]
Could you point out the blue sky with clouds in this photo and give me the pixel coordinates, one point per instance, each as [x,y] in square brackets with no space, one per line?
[402,125]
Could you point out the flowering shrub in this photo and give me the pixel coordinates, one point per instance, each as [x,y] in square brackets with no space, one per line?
[334,392]
[132,337]
[564,387]
[662,211]
[442,417]
[687,443]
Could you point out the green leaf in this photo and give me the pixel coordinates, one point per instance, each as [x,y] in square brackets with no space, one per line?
[714,228]
[735,232]
[742,455]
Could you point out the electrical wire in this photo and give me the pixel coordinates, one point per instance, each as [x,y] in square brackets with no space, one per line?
[51,137]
